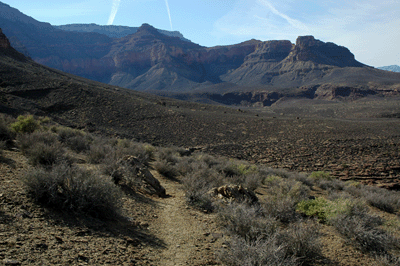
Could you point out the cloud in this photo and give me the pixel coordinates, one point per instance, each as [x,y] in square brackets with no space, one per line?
[169,13]
[295,23]
[114,11]
[260,20]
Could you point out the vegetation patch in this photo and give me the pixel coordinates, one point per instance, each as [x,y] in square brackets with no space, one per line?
[74,189]
[25,124]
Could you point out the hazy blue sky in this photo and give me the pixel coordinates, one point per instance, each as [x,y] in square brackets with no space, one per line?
[369,28]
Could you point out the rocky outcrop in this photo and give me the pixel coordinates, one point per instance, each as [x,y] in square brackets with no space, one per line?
[132,166]
[112,31]
[307,48]
[234,193]
[4,42]
[7,50]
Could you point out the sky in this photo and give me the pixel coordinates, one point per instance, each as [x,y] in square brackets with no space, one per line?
[369,28]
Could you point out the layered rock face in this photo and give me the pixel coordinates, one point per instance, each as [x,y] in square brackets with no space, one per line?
[149,60]
[307,48]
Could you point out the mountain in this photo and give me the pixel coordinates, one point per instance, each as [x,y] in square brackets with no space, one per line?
[112,30]
[28,87]
[393,68]
[149,60]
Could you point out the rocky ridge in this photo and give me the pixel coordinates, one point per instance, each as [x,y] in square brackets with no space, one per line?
[112,31]
[149,60]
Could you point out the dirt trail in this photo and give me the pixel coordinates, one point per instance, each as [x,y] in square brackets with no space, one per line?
[190,236]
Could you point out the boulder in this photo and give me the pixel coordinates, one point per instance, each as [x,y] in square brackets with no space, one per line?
[148,182]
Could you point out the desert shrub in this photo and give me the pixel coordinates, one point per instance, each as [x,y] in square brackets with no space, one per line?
[28,140]
[76,140]
[65,133]
[247,222]
[302,241]
[305,179]
[121,171]
[25,124]
[41,148]
[282,198]
[44,154]
[362,230]
[314,208]
[261,252]
[210,161]
[332,185]
[321,175]
[325,210]
[3,145]
[74,189]
[198,183]
[171,155]
[234,168]
[5,133]
[354,189]
[257,239]
[252,181]
[166,169]
[283,173]
[78,143]
[380,198]
[383,199]
[387,260]
[145,153]
[98,152]
[186,165]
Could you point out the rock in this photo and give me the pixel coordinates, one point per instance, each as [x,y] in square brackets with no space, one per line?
[234,193]
[43,246]
[83,258]
[148,182]
[144,224]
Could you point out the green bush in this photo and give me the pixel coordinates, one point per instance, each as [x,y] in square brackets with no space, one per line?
[74,189]
[25,124]
[323,209]
[321,175]
[314,207]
